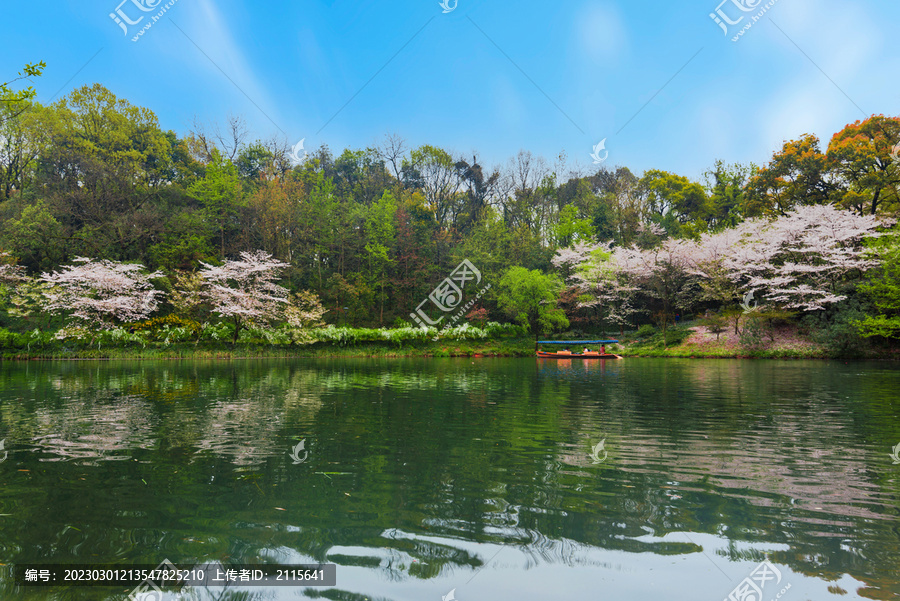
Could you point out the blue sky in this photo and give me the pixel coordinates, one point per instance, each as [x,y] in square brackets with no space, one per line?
[660,81]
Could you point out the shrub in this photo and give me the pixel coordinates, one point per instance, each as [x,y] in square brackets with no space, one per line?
[645,331]
[837,330]
[676,335]
[751,334]
[160,328]
[217,332]
[715,324]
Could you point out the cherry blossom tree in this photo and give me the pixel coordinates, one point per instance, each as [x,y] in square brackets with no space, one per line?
[304,310]
[663,273]
[806,259]
[100,293]
[10,272]
[600,280]
[803,261]
[245,291]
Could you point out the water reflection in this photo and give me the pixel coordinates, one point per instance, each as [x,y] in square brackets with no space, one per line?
[423,476]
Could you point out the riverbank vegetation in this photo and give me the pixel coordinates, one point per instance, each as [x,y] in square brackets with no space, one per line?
[118,234]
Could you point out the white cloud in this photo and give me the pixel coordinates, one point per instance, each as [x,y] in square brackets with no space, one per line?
[601,30]
[210,32]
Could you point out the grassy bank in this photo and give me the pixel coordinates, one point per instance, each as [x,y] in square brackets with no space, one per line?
[688,341]
[693,341]
[504,347]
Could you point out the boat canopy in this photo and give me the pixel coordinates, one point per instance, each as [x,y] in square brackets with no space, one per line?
[570,342]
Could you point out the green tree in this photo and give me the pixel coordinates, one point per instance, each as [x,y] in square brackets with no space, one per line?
[35,237]
[380,234]
[433,170]
[884,289]
[10,98]
[725,187]
[22,139]
[860,156]
[569,229]
[530,298]
[796,176]
[413,267]
[106,172]
[220,193]
[674,200]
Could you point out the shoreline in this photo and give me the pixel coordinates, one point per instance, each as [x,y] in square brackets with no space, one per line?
[444,351]
[691,343]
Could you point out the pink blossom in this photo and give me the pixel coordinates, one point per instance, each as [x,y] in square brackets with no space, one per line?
[100,292]
[245,290]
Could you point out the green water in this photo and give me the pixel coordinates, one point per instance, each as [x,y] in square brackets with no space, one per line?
[418,477]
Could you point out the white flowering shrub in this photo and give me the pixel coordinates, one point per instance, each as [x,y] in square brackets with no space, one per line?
[99,293]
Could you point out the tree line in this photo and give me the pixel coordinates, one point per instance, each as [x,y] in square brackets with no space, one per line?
[371,231]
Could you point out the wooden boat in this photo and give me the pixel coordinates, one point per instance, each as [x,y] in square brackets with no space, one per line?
[564,355]
[570,355]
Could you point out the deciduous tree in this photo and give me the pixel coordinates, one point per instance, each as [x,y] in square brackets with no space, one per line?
[245,291]
[530,297]
[99,293]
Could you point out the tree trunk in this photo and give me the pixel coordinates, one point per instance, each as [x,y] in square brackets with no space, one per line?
[664,323]
[237,329]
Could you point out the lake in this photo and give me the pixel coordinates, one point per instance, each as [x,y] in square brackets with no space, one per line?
[469,479]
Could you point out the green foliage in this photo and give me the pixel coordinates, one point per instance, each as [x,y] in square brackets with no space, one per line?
[218,332]
[838,329]
[35,237]
[726,185]
[184,243]
[645,331]
[649,337]
[879,325]
[35,340]
[344,336]
[371,233]
[715,324]
[883,289]
[861,156]
[676,197]
[162,328]
[571,229]
[796,175]
[751,336]
[530,297]
[676,335]
[220,194]
[8,95]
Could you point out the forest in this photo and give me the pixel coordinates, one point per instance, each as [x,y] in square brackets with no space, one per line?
[107,220]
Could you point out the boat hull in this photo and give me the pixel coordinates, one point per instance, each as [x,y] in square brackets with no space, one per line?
[543,355]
